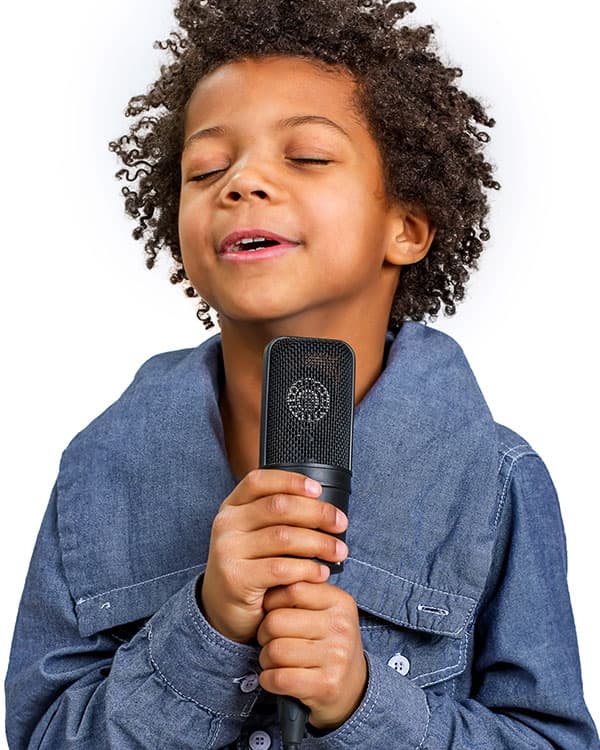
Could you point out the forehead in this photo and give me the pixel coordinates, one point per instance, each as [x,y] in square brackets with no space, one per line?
[275,83]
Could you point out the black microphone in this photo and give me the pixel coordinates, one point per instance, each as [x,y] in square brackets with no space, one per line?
[306,426]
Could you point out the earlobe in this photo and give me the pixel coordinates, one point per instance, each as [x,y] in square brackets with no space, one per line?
[413,236]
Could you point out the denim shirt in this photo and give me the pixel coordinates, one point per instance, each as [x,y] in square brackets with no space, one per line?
[457,564]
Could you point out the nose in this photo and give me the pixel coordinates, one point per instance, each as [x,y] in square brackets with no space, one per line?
[247,183]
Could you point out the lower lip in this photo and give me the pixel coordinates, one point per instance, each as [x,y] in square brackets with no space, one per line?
[247,256]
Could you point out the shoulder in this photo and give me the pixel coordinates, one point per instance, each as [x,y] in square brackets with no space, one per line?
[525,490]
[516,457]
[162,364]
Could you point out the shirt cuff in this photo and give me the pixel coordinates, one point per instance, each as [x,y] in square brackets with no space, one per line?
[391,707]
[198,662]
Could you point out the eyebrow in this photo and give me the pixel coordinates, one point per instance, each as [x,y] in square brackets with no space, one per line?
[288,122]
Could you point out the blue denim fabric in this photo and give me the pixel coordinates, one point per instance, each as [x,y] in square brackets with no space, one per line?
[457,564]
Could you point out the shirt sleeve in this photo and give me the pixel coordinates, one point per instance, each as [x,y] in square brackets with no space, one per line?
[526,689]
[176,683]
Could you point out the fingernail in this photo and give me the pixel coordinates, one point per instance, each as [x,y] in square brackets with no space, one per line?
[340,519]
[341,550]
[312,487]
[325,571]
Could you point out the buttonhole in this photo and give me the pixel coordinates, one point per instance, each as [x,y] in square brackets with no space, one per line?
[433,610]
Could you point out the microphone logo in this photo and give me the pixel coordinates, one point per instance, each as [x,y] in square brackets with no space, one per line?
[308,400]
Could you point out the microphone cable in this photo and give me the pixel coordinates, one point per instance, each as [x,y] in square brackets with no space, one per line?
[293,715]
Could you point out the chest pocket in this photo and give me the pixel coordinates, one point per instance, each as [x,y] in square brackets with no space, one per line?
[419,631]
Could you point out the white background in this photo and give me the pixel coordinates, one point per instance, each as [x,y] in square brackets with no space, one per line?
[80,312]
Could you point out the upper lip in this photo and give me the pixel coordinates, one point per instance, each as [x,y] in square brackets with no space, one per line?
[242,234]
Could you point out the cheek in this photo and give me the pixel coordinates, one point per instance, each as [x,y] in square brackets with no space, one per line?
[344,227]
[193,234]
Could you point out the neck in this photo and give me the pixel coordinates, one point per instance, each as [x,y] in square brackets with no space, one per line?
[243,348]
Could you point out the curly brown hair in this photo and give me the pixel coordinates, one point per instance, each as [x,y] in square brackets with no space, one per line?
[425,127]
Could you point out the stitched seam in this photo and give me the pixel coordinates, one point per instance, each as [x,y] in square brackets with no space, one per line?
[507,479]
[165,679]
[420,745]
[422,628]
[461,651]
[219,641]
[82,600]
[511,448]
[461,660]
[214,731]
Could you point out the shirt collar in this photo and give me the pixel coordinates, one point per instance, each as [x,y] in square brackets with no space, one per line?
[423,486]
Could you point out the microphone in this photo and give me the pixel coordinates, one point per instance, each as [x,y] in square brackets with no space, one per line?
[307,416]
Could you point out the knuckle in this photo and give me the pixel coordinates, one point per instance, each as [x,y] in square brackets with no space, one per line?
[340,625]
[294,590]
[281,681]
[279,568]
[270,623]
[330,682]
[222,519]
[275,652]
[255,478]
[264,636]
[277,504]
[339,653]
[281,535]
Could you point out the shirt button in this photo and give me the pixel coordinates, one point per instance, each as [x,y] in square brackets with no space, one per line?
[249,683]
[400,663]
[260,741]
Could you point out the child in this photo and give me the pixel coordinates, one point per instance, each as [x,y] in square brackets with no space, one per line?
[172,592]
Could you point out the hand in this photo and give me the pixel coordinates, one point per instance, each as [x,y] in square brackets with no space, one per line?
[268,521]
[312,650]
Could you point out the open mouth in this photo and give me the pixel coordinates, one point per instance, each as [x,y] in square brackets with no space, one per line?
[255,240]
[251,245]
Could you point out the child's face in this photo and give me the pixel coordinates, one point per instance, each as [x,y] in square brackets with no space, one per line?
[336,211]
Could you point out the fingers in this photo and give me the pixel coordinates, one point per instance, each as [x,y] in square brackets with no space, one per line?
[306,610]
[293,510]
[292,623]
[276,541]
[264,574]
[301,682]
[304,595]
[262,482]
[292,652]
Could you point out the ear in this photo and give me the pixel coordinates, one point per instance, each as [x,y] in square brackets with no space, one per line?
[411,235]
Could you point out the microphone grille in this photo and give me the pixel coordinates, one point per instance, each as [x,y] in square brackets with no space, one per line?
[308,400]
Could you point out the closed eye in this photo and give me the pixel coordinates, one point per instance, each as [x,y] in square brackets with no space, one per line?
[199,177]
[313,161]
[206,175]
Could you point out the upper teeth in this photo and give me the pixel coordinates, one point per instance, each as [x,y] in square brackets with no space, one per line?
[247,241]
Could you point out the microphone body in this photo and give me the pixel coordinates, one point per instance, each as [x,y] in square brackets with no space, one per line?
[307,419]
